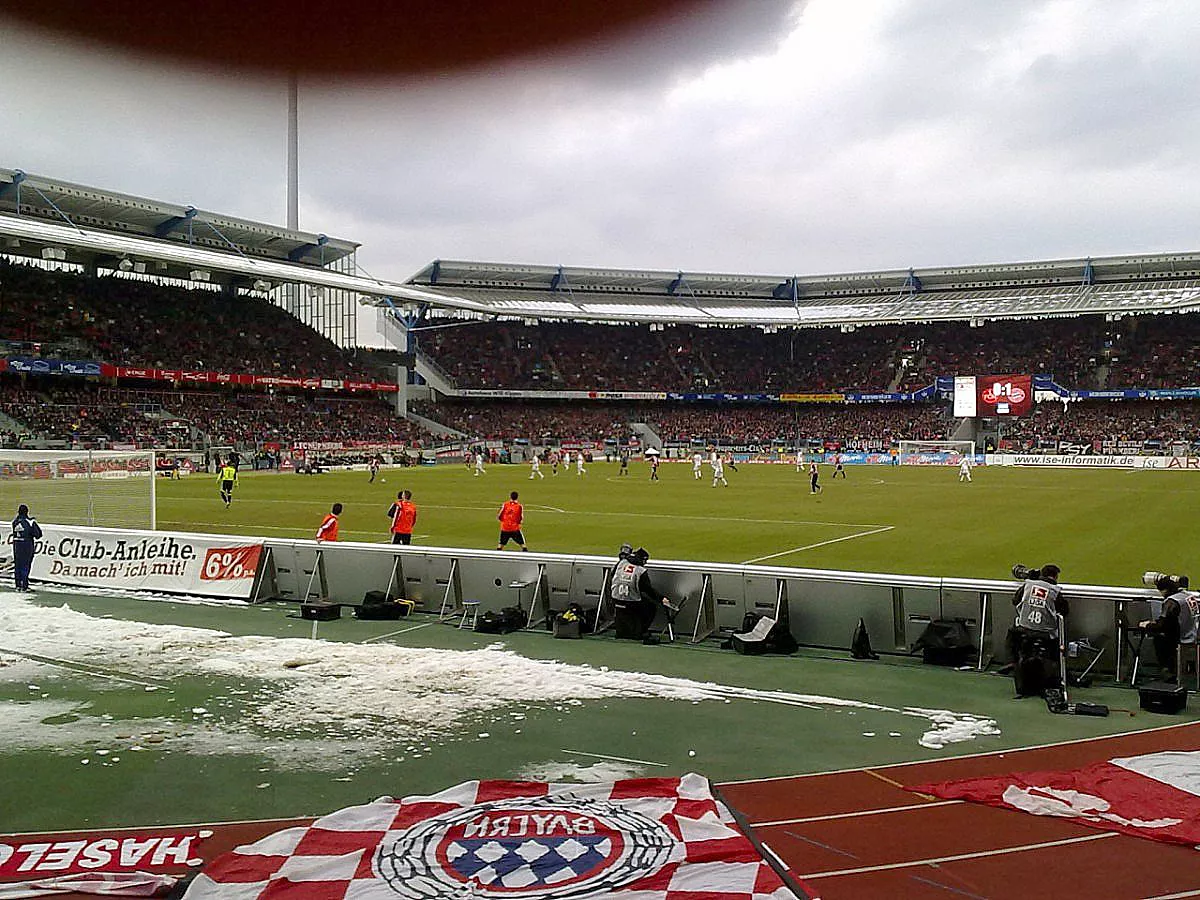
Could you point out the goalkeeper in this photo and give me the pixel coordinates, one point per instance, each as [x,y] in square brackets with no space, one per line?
[227,477]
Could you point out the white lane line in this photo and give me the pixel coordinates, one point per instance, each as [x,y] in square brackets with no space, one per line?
[983,754]
[642,762]
[85,669]
[848,537]
[982,854]
[549,508]
[1174,896]
[380,637]
[854,815]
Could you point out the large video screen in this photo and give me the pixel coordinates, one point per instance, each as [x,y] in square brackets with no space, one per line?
[1005,395]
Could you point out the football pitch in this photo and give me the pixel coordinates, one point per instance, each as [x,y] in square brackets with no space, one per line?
[1101,527]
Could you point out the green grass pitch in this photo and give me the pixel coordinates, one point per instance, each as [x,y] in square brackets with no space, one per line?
[1101,527]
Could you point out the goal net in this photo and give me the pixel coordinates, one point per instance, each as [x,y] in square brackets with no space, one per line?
[113,488]
[935,453]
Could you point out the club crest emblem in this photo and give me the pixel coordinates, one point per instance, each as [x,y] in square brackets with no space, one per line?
[538,848]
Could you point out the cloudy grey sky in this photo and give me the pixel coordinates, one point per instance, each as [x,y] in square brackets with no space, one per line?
[760,136]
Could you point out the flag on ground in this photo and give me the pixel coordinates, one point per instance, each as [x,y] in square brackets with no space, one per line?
[641,839]
[1154,796]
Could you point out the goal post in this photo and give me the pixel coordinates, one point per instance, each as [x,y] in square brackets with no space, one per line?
[113,488]
[933,453]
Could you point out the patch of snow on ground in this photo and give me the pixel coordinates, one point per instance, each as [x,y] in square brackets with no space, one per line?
[338,691]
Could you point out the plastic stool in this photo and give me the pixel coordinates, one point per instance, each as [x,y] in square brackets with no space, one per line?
[470,614]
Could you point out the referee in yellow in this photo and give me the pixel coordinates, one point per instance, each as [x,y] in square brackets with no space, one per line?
[226,479]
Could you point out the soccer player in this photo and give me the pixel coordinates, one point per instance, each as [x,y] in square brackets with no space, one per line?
[654,467]
[554,457]
[697,462]
[328,530]
[729,462]
[624,470]
[964,469]
[227,477]
[373,466]
[838,467]
[535,468]
[814,475]
[403,514]
[511,516]
[718,467]
[579,469]
[479,469]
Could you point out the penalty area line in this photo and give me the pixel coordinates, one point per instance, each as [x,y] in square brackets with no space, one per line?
[848,537]
[641,762]
[380,637]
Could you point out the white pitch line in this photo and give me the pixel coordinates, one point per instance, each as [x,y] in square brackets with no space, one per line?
[855,815]
[582,512]
[1175,896]
[380,637]
[643,762]
[550,508]
[848,537]
[982,854]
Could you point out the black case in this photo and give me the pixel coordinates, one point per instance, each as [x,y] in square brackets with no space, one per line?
[1160,697]
[320,611]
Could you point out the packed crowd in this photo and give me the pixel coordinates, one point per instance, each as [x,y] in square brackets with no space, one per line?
[135,323]
[1088,422]
[81,414]
[541,421]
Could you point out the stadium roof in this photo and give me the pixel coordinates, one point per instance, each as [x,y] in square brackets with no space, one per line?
[1112,286]
[52,200]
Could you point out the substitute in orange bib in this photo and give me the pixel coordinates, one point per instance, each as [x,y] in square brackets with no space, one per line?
[511,516]
[403,514]
[329,525]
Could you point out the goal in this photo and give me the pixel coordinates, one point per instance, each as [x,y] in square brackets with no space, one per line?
[934,453]
[113,488]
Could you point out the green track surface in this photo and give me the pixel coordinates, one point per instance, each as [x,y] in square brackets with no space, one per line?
[1101,527]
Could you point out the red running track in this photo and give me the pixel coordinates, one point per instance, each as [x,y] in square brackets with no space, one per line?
[858,835]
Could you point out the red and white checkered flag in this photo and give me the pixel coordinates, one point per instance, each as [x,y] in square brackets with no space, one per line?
[641,839]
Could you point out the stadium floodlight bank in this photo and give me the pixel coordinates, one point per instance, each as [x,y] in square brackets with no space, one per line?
[924,453]
[111,488]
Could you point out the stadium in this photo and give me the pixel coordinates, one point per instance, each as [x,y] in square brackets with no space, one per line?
[263,640]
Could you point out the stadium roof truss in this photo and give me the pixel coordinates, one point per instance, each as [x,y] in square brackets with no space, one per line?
[97,229]
[1114,286]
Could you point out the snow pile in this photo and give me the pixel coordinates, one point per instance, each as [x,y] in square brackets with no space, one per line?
[338,691]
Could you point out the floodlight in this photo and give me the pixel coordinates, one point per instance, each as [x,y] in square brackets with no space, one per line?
[55,253]
[125,265]
[200,275]
[261,285]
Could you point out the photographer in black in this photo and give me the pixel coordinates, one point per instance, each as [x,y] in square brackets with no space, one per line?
[1176,622]
[1033,641]
[634,597]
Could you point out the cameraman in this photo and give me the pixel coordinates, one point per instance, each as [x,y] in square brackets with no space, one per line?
[1176,623]
[632,592]
[1040,603]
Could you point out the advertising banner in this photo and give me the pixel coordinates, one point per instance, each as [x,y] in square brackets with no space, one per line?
[1004,395]
[1126,461]
[205,565]
[812,398]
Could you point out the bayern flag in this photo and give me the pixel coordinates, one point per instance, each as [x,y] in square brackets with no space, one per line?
[640,839]
[1154,796]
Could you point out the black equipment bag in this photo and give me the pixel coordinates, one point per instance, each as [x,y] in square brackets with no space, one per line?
[767,636]
[1160,697]
[860,644]
[1036,665]
[508,620]
[397,609]
[944,642]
